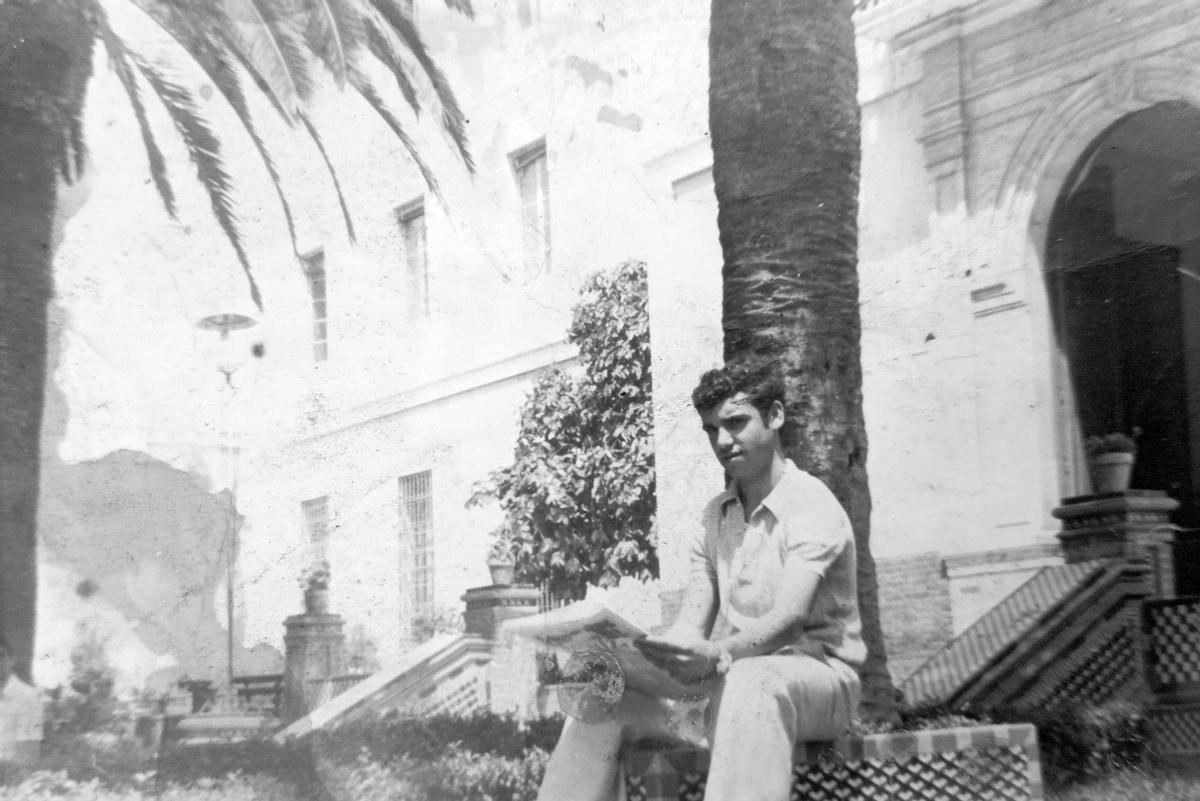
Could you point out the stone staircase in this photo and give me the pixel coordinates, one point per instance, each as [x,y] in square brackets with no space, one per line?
[446,674]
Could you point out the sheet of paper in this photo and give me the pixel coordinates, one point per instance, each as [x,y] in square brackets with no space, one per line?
[580,628]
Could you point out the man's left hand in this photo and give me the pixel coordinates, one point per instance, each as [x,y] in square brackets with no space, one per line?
[689,661]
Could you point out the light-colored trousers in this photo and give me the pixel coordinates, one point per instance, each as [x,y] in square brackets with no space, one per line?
[762,708]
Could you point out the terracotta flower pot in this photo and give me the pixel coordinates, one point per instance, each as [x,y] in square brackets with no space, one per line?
[316,601]
[502,573]
[1111,472]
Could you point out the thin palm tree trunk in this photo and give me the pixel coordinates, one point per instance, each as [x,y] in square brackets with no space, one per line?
[784,119]
[45,56]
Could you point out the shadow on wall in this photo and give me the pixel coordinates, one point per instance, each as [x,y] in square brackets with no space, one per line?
[131,539]
[149,542]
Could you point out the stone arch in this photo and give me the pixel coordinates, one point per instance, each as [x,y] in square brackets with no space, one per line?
[1036,173]
[1052,147]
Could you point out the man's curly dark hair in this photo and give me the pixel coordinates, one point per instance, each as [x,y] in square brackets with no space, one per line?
[759,378]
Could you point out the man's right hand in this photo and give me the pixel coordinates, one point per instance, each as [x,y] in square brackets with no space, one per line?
[690,661]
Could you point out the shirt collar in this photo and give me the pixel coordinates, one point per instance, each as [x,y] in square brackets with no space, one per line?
[779,501]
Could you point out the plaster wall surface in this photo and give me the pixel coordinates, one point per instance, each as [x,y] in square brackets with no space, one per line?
[971,121]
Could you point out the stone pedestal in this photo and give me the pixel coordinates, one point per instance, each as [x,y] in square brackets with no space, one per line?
[512,672]
[488,607]
[314,648]
[1135,524]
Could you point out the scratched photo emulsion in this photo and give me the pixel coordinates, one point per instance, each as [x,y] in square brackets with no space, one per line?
[597,400]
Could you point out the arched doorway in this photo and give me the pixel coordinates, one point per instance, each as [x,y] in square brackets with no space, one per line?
[1123,279]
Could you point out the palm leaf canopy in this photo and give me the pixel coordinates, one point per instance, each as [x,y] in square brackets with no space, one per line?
[280,46]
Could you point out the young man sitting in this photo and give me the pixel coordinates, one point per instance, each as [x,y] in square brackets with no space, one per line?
[769,624]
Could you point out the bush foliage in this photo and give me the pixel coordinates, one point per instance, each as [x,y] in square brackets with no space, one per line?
[425,758]
[422,738]
[1079,743]
[579,495]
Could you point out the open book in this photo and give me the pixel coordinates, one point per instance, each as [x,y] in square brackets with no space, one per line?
[583,627]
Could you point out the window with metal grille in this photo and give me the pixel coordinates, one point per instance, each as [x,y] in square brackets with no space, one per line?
[411,217]
[316,527]
[416,525]
[314,271]
[533,184]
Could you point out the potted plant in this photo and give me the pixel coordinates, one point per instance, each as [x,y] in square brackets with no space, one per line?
[314,581]
[501,557]
[1111,459]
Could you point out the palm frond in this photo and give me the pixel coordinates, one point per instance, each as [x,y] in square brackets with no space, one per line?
[387,48]
[75,161]
[453,119]
[205,150]
[364,87]
[195,26]
[337,186]
[119,60]
[268,41]
[334,30]
[462,7]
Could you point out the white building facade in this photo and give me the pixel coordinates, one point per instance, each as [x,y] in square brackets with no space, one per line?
[394,365]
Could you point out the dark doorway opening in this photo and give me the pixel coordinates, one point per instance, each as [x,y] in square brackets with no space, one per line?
[1123,262]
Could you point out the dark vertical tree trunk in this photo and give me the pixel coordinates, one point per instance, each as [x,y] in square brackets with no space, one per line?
[784,117]
[45,57]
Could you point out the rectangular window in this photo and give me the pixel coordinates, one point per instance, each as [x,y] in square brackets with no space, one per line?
[416,524]
[314,272]
[533,185]
[411,217]
[316,527]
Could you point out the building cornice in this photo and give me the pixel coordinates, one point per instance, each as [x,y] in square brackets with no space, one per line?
[908,22]
[512,368]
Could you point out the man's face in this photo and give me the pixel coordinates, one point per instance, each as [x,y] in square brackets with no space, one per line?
[742,440]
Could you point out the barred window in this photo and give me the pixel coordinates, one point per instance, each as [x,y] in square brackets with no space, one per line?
[416,525]
[315,512]
[314,272]
[411,217]
[533,184]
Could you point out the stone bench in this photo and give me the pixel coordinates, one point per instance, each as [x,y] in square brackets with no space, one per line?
[977,763]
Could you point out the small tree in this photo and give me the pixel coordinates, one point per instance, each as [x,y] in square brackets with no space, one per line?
[91,703]
[579,495]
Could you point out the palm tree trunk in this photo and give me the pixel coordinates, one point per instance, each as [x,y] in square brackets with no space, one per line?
[45,58]
[784,118]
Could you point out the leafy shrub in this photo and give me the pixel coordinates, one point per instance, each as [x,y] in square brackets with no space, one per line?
[57,786]
[391,735]
[427,751]
[457,775]
[88,704]
[1085,742]
[292,763]
[115,760]
[935,715]
[1134,786]
[543,733]
[579,494]
[1078,742]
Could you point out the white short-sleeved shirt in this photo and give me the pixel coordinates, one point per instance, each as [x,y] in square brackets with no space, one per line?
[800,521]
